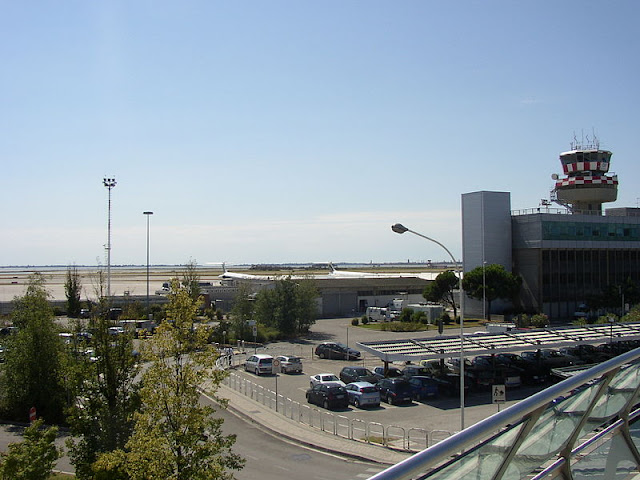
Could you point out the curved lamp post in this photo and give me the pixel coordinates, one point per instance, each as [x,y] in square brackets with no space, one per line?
[399,228]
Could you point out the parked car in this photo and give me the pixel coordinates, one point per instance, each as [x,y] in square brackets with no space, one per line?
[363,394]
[395,390]
[391,372]
[290,364]
[336,351]
[423,387]
[413,370]
[357,374]
[328,396]
[530,373]
[325,378]
[259,363]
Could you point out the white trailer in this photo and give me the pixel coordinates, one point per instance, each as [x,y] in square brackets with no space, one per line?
[375,314]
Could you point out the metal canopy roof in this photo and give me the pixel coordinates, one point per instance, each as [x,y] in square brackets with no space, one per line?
[486,343]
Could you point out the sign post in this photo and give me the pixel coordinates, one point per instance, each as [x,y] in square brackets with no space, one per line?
[32,414]
[275,368]
[499,394]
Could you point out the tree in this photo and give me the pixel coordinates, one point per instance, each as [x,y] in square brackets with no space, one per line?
[175,436]
[490,283]
[441,290]
[242,310]
[289,307]
[32,371]
[72,290]
[34,457]
[102,419]
[191,279]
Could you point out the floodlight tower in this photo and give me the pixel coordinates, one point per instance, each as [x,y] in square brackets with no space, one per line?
[109,183]
[587,184]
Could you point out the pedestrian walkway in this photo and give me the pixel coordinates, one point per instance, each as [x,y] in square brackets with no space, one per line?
[302,434]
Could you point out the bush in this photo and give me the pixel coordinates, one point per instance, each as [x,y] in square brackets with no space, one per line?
[446,318]
[355,322]
[364,320]
[401,327]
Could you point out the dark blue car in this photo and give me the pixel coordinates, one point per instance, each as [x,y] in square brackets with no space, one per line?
[423,387]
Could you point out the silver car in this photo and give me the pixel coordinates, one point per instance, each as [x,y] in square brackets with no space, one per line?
[289,364]
[363,394]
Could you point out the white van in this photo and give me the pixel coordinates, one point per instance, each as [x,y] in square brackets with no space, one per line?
[259,363]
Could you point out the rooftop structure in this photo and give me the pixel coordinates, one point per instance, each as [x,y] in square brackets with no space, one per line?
[586,185]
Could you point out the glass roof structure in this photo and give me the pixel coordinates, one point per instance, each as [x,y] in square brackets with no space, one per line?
[585,427]
[486,343]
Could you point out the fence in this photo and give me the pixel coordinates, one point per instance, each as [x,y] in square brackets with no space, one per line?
[391,436]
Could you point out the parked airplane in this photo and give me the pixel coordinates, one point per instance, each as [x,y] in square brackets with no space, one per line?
[347,274]
[243,276]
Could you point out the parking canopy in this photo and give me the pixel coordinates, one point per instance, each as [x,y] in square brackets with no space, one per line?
[482,343]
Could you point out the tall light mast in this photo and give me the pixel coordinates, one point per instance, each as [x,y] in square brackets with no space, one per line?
[109,183]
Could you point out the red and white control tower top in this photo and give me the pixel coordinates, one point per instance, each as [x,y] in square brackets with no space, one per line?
[586,185]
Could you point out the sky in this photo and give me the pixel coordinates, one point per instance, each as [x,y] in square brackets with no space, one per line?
[296,131]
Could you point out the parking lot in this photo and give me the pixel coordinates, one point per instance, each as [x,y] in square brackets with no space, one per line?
[441,413]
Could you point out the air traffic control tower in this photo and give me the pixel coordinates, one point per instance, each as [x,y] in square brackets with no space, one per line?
[586,185]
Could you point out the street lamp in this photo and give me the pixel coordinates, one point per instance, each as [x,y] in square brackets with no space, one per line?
[148,214]
[109,183]
[399,228]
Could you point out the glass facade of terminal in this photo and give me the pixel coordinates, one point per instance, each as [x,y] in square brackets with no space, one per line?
[590,231]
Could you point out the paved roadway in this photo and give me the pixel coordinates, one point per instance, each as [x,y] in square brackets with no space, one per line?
[269,457]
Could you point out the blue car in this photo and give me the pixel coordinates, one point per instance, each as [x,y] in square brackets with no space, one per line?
[423,387]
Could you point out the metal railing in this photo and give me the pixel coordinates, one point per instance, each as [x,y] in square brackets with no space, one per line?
[583,424]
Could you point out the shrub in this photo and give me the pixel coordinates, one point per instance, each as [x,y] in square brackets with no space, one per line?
[364,320]
[446,318]
[355,322]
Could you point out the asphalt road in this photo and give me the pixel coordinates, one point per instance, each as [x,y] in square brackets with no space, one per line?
[270,458]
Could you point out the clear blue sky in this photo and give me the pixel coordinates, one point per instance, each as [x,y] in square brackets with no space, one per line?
[296,131]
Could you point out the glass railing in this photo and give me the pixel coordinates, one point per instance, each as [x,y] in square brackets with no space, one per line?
[585,423]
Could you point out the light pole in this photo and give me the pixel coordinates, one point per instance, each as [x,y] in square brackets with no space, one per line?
[484,291]
[148,214]
[109,183]
[399,228]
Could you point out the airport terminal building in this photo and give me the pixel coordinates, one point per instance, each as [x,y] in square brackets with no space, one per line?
[564,255]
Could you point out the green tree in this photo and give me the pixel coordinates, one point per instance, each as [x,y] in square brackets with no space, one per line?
[289,307]
[175,436]
[191,279]
[34,457]
[72,290]
[441,290]
[32,372]
[102,419]
[490,283]
[242,311]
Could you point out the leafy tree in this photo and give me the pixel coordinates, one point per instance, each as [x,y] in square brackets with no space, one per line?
[490,283]
[191,279]
[34,457]
[72,290]
[441,290]
[289,306]
[32,371]
[102,420]
[175,436]
[242,310]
